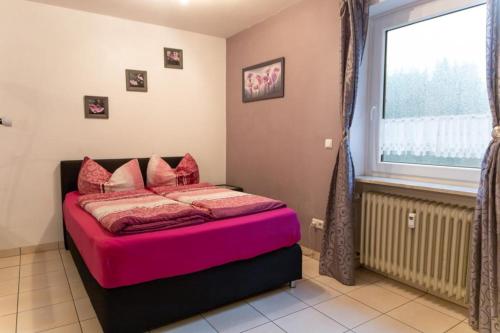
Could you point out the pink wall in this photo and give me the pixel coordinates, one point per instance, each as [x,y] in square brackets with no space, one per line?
[275,147]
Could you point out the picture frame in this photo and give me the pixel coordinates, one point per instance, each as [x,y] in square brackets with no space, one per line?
[263,81]
[173,58]
[96,107]
[136,80]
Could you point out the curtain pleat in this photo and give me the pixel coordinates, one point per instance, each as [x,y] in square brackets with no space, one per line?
[483,266]
[337,248]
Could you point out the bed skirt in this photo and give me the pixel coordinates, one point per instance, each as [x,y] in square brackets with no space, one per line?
[145,306]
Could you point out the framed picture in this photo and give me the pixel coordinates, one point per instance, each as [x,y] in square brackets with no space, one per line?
[136,80]
[96,107]
[173,58]
[264,81]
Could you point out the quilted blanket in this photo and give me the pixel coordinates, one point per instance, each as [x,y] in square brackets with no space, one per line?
[218,202]
[140,211]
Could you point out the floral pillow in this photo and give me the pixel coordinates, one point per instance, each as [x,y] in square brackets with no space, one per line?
[187,171]
[93,178]
[160,173]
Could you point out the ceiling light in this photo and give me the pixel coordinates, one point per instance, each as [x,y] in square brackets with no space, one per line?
[184,2]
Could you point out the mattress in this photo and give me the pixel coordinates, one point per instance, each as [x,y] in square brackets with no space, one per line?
[117,261]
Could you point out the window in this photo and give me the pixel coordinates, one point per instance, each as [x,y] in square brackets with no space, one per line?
[434,118]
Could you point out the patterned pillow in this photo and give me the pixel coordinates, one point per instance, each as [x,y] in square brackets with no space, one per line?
[159,173]
[128,177]
[93,178]
[187,171]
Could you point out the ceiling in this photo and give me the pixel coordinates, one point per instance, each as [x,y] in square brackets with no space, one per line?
[222,18]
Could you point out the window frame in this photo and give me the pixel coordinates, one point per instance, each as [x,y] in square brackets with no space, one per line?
[375,56]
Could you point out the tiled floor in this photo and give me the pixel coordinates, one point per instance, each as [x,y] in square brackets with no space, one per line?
[43,292]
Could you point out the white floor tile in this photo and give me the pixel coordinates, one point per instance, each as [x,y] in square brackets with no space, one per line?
[39,257]
[235,318]
[195,324]
[66,256]
[42,281]
[378,298]
[8,323]
[9,287]
[8,304]
[423,318]
[443,306]
[400,289]
[9,273]
[72,328]
[47,283]
[42,297]
[91,326]
[43,267]
[71,272]
[266,328]
[347,311]
[309,320]
[46,318]
[84,309]
[77,289]
[462,328]
[9,261]
[384,324]
[276,304]
[310,267]
[334,284]
[312,292]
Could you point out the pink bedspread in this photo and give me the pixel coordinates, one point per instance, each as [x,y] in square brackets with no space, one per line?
[117,261]
[131,212]
[218,202]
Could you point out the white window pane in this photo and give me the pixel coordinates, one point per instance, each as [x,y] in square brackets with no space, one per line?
[436,108]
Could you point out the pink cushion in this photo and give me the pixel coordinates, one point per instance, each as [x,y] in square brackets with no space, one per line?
[187,171]
[160,173]
[128,177]
[93,178]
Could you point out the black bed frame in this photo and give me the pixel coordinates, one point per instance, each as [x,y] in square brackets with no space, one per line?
[148,305]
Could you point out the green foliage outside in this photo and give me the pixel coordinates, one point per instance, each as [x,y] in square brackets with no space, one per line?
[449,90]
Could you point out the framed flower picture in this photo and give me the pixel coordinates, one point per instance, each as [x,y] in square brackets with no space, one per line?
[136,80]
[264,81]
[173,58]
[96,107]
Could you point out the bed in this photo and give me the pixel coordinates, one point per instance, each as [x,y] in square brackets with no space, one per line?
[143,281]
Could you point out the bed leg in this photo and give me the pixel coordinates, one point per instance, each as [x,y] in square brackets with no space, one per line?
[65,237]
[292,284]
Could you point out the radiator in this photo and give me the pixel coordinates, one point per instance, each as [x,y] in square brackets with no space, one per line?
[433,256]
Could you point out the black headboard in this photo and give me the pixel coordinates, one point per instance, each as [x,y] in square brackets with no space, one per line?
[70,170]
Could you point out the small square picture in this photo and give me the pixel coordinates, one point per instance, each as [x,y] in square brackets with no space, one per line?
[96,107]
[173,58]
[136,80]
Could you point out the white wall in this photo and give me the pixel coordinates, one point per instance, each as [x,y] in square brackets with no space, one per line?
[50,58]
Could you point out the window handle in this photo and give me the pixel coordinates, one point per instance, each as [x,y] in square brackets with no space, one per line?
[373,111]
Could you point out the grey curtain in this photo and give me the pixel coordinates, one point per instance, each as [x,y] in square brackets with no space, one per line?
[337,249]
[483,279]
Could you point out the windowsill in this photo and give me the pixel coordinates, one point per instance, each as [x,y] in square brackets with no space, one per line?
[419,185]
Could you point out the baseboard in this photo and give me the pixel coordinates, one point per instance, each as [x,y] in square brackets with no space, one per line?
[31,249]
[308,252]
